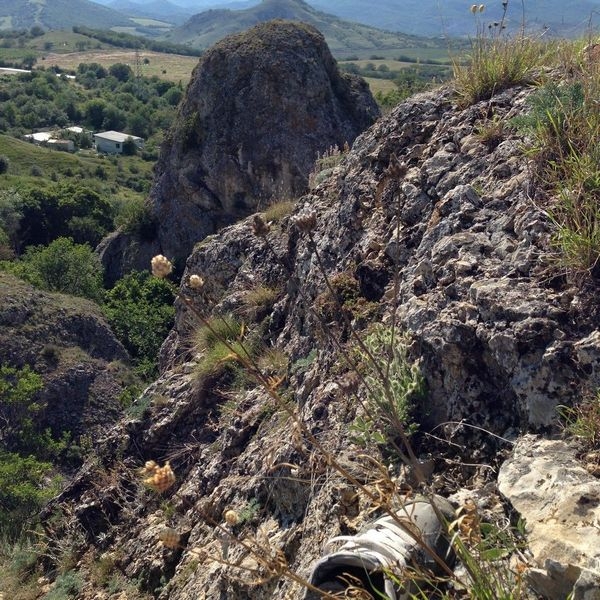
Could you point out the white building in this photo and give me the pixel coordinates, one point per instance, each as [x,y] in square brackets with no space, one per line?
[111,142]
[50,139]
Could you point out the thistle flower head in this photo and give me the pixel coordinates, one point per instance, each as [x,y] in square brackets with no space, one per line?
[260,228]
[306,220]
[169,538]
[196,282]
[481,8]
[161,478]
[474,8]
[231,517]
[161,266]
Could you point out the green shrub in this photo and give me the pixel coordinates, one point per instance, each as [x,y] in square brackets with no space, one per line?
[4,164]
[140,311]
[67,586]
[62,266]
[24,489]
[135,216]
[394,386]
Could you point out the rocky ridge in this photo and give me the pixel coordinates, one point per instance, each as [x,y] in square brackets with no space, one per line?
[422,223]
[68,341]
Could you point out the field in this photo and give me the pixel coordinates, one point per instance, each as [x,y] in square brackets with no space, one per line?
[380,85]
[172,67]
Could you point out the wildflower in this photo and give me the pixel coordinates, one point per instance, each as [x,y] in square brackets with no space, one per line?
[231,518]
[196,282]
[169,538]
[259,227]
[306,220]
[161,266]
[162,478]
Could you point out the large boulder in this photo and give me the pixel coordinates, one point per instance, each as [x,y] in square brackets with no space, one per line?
[259,107]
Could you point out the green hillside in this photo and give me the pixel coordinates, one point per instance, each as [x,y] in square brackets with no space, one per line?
[58,14]
[343,37]
[34,165]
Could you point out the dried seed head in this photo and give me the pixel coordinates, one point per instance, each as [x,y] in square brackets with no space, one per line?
[306,220]
[161,479]
[161,266]
[474,8]
[196,282]
[150,467]
[481,8]
[260,228]
[231,518]
[169,537]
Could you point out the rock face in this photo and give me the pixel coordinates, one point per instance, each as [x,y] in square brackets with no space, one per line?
[422,224]
[259,107]
[67,341]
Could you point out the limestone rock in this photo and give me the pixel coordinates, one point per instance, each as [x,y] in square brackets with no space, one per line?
[259,107]
[420,224]
[560,502]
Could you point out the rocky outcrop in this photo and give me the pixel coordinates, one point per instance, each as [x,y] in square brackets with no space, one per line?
[421,224]
[259,107]
[560,503]
[66,340]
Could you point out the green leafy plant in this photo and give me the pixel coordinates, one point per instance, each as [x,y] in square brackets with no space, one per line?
[391,398]
[62,266]
[140,311]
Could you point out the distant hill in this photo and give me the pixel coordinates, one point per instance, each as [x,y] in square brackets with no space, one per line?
[343,37]
[157,9]
[435,17]
[452,17]
[59,14]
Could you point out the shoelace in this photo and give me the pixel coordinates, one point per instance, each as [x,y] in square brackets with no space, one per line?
[386,542]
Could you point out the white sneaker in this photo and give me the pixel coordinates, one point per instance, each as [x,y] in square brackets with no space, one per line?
[386,546]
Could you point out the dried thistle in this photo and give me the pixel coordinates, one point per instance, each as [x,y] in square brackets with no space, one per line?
[161,266]
[162,478]
[306,220]
[169,538]
[196,282]
[231,518]
[259,227]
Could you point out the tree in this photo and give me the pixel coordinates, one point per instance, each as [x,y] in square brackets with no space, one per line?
[11,215]
[129,147]
[4,164]
[94,112]
[121,71]
[62,266]
[141,313]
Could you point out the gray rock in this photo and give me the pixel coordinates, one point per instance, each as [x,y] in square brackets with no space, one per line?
[259,108]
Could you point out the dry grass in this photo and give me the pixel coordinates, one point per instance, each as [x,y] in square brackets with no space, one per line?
[172,67]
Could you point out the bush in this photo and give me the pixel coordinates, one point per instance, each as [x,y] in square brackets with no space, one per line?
[4,164]
[141,313]
[62,266]
[23,491]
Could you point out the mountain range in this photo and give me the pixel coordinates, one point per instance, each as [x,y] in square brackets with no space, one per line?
[344,38]
[428,17]
[414,17]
